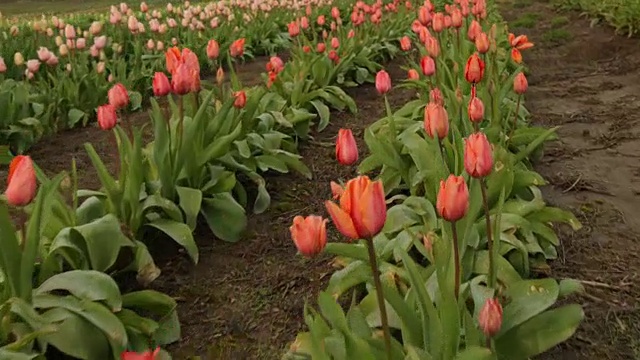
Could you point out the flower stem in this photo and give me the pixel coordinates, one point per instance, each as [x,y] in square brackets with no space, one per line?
[456,260]
[441,147]
[381,304]
[485,203]
[515,118]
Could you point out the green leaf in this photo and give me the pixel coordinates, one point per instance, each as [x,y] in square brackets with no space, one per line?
[190,202]
[135,100]
[180,233]
[85,284]
[527,299]
[77,337]
[540,333]
[90,209]
[102,254]
[156,202]
[225,217]
[475,353]
[263,200]
[569,286]
[323,112]
[10,355]
[75,116]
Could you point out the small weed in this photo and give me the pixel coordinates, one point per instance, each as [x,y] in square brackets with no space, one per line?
[556,36]
[519,4]
[559,21]
[526,21]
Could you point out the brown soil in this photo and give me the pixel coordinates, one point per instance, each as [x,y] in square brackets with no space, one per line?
[587,80]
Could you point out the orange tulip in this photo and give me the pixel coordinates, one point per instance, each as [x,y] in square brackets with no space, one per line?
[405,43]
[321,47]
[516,56]
[436,120]
[336,190]
[147,355]
[21,182]
[490,317]
[476,110]
[240,99]
[437,22]
[346,147]
[309,234]
[478,158]
[453,198]
[412,74]
[362,210]
[520,84]
[172,58]
[482,43]
[520,42]
[118,96]
[213,49]
[383,82]
[107,117]
[237,48]
[474,30]
[435,96]
[181,80]
[474,71]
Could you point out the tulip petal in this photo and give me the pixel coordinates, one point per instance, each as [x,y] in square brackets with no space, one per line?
[372,212]
[342,220]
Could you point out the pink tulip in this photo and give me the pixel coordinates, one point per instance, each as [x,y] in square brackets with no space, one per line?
[309,234]
[69,32]
[118,96]
[44,54]
[346,147]
[3,66]
[107,117]
[21,182]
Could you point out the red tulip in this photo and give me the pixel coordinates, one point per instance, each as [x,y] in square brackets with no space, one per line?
[346,147]
[412,74]
[181,80]
[520,42]
[433,46]
[474,29]
[428,65]
[161,85]
[520,84]
[309,234]
[321,20]
[294,29]
[172,57]
[107,117]
[237,48]
[333,56]
[478,158]
[118,96]
[335,43]
[306,49]
[490,317]
[424,15]
[241,99]
[436,120]
[383,82]
[213,49]
[147,355]
[336,190]
[476,109]
[362,210]
[435,96]
[21,182]
[321,47]
[474,71]
[405,43]
[516,55]
[335,13]
[456,18]
[453,198]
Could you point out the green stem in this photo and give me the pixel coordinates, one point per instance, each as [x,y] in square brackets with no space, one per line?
[441,148]
[456,260]
[515,118]
[381,303]
[485,203]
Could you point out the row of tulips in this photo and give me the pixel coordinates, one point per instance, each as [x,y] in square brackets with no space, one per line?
[443,245]
[204,134]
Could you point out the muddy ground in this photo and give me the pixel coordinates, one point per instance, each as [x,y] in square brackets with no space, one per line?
[245,301]
[587,80]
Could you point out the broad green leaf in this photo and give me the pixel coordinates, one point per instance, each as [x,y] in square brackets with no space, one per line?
[527,299]
[180,233]
[190,202]
[85,284]
[475,353]
[225,217]
[77,337]
[102,253]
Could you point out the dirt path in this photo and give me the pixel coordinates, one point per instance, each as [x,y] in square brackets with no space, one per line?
[587,80]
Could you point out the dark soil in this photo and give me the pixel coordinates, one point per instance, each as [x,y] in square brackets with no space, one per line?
[587,80]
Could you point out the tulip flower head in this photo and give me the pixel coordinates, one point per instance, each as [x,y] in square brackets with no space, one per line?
[428,65]
[240,99]
[107,117]
[476,110]
[147,355]
[474,71]
[336,190]
[383,82]
[412,74]
[405,43]
[490,317]
[520,84]
[161,85]
[3,66]
[362,210]
[21,182]
[118,96]
[346,147]
[237,48]
[478,157]
[436,120]
[309,234]
[453,198]
[213,49]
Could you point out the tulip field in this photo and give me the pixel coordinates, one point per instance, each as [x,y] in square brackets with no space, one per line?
[317,179]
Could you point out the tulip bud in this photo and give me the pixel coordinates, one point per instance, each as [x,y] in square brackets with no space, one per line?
[33,65]
[474,71]
[100,67]
[482,43]
[435,96]
[118,96]
[520,84]
[220,76]
[321,47]
[516,55]
[53,60]
[107,117]
[309,234]
[351,34]
[413,74]
[428,65]
[240,99]
[336,190]
[335,43]
[63,50]
[346,147]
[437,22]
[490,317]
[433,46]
[294,29]
[213,49]
[81,43]
[476,110]
[474,30]
[478,158]
[383,82]
[161,85]
[321,20]
[44,54]
[436,120]
[21,182]
[3,66]
[453,198]
[405,43]
[18,59]
[147,355]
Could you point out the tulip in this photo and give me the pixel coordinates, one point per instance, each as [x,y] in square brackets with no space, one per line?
[118,96]
[53,60]
[161,85]
[321,47]
[335,13]
[100,42]
[81,43]
[482,43]
[237,48]
[21,182]
[304,22]
[435,96]
[346,147]
[453,198]
[18,59]
[333,56]
[362,210]
[306,49]
[436,120]
[63,50]
[309,234]
[147,355]
[144,7]
[383,82]
[520,42]
[474,30]
[294,29]
[44,54]
[220,76]
[456,18]
[405,43]
[213,49]
[181,80]
[412,74]
[351,34]
[520,83]
[490,317]
[107,117]
[433,46]
[335,43]
[336,190]
[321,20]
[3,66]
[516,56]
[424,16]
[14,31]
[100,67]
[275,64]
[437,22]
[474,71]
[240,99]
[478,158]
[69,32]
[428,65]
[476,110]
[33,65]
